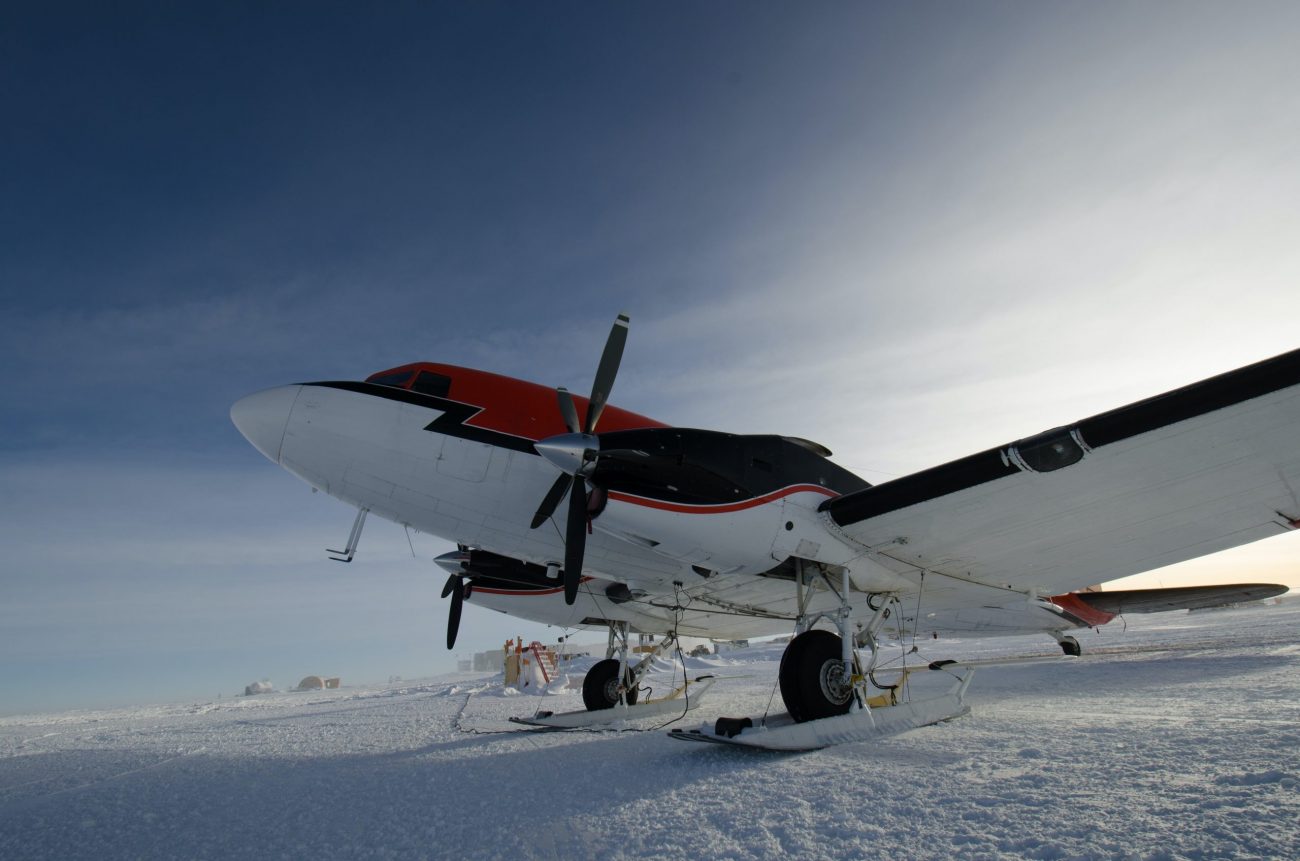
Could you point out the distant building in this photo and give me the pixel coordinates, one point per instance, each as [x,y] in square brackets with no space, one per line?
[316,683]
[721,646]
[262,687]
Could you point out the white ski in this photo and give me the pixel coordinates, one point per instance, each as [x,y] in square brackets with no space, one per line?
[683,699]
[780,732]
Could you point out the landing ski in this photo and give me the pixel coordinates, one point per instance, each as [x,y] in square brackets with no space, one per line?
[684,698]
[780,732]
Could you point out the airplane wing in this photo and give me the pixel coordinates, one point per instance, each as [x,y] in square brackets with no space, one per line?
[1197,470]
[1177,598]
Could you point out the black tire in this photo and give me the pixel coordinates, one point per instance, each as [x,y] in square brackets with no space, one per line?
[600,687]
[809,663]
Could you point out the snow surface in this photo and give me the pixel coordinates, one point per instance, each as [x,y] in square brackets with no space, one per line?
[1178,738]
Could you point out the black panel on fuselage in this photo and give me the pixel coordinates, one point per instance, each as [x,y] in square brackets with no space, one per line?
[702,467]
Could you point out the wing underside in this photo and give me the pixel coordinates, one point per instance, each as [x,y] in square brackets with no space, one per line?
[1177,598]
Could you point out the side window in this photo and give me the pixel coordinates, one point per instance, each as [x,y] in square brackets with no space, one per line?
[427,383]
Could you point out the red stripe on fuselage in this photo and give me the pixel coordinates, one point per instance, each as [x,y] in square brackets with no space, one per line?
[1075,606]
[490,591]
[520,408]
[724,508]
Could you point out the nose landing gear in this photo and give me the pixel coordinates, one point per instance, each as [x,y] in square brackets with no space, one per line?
[601,689]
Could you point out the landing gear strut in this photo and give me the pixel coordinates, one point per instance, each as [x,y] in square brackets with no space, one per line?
[821,675]
[825,684]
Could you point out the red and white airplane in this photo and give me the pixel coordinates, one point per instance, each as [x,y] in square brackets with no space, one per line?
[578,514]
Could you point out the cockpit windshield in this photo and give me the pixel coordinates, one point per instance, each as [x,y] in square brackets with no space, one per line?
[397,379]
[428,383]
[414,380]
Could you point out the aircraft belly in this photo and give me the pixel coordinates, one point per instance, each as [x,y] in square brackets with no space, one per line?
[649,615]
[736,540]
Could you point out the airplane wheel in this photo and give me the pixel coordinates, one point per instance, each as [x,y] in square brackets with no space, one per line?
[1071,646]
[600,687]
[813,682]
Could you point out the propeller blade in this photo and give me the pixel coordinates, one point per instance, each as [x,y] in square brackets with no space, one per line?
[575,539]
[553,497]
[569,410]
[452,581]
[606,371]
[453,615]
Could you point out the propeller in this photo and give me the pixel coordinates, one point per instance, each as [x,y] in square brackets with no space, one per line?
[456,589]
[458,585]
[575,454]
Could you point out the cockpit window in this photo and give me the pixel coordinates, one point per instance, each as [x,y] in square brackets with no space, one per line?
[397,380]
[427,383]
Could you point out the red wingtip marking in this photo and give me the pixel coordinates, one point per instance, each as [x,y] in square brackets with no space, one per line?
[1072,604]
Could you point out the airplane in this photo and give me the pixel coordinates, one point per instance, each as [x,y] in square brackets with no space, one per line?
[575,513]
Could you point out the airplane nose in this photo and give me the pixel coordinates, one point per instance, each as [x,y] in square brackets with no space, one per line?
[262,418]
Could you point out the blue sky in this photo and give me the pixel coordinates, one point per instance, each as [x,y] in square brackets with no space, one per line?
[908,231]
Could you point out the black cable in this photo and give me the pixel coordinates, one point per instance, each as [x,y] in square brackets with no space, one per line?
[916,626]
[455,723]
[679,609]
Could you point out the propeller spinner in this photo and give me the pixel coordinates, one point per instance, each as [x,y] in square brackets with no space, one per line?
[575,454]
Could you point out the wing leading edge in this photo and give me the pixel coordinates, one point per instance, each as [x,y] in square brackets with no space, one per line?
[1203,468]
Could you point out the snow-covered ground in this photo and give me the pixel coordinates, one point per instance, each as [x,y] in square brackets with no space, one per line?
[1178,738]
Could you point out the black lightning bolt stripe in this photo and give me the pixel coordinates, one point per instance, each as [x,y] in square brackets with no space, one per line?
[453,421]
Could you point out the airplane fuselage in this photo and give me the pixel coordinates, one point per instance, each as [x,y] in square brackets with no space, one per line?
[457,461]
[451,452]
